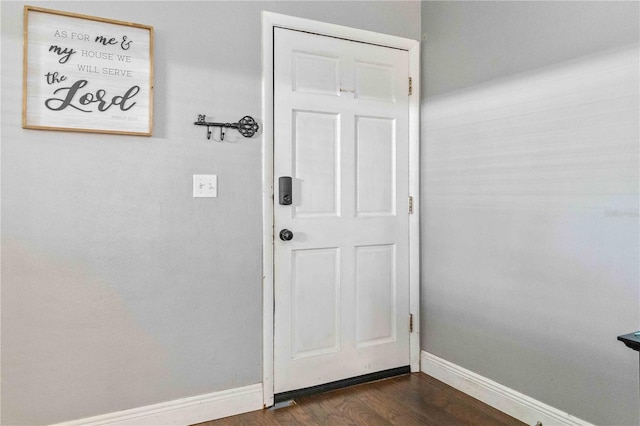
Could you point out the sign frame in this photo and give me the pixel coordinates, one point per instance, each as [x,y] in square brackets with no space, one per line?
[84,73]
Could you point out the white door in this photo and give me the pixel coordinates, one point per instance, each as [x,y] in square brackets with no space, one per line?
[342,282]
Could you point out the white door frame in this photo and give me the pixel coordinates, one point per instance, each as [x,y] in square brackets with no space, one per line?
[269,21]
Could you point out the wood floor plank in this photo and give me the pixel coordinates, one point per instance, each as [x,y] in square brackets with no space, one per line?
[466,409]
[254,418]
[408,400]
[294,415]
[384,398]
[340,407]
[409,404]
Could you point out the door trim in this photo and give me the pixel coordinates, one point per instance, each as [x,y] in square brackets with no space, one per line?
[269,22]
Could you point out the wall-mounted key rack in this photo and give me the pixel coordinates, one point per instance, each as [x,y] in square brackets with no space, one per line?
[247,126]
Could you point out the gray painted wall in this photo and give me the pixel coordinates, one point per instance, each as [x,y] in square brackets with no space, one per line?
[530,228]
[470,42]
[118,288]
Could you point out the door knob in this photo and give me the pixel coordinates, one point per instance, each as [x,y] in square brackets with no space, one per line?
[286,235]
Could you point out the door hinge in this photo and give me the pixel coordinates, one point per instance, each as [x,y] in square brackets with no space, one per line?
[410,205]
[410,323]
[410,86]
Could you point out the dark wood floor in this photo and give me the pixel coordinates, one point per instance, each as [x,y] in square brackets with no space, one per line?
[412,399]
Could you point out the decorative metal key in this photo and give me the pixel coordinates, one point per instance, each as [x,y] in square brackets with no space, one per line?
[247,126]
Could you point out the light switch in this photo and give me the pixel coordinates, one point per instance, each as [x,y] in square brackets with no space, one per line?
[205,186]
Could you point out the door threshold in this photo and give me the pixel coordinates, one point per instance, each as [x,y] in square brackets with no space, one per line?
[282,404]
[339,384]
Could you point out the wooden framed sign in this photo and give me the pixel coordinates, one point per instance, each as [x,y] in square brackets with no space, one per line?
[86,74]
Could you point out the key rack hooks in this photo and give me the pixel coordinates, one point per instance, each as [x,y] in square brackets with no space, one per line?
[247,126]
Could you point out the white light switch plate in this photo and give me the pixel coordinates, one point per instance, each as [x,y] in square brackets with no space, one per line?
[205,186]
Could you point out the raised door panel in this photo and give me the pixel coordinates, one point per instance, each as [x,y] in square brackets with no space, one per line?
[375,166]
[313,73]
[375,294]
[315,299]
[375,82]
[316,147]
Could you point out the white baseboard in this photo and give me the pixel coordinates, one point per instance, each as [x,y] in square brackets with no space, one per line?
[184,411]
[509,401]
